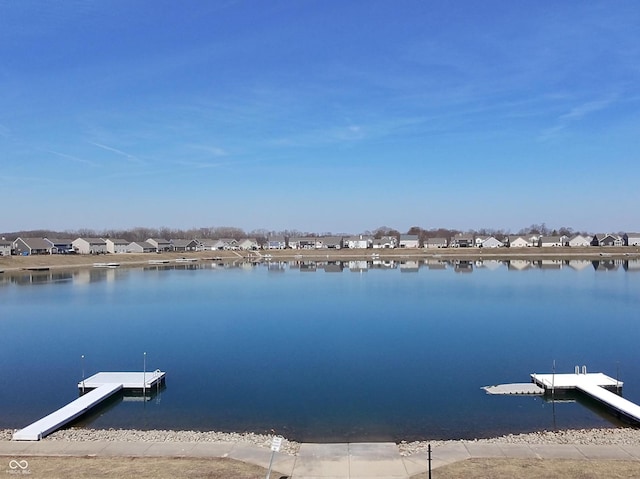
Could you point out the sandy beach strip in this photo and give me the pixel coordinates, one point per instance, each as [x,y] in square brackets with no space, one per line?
[603,436]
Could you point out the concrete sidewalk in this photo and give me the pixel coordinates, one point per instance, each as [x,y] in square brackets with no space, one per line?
[322,461]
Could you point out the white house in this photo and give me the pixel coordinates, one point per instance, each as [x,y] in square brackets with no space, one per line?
[409,241]
[631,239]
[5,248]
[248,244]
[115,245]
[89,245]
[579,241]
[386,242]
[31,246]
[359,242]
[551,241]
[276,242]
[519,242]
[489,242]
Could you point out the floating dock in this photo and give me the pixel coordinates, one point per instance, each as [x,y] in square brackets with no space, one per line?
[94,390]
[597,386]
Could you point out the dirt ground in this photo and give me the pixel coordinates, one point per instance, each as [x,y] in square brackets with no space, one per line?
[188,468]
[536,469]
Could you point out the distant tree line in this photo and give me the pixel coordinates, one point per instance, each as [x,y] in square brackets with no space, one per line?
[261,235]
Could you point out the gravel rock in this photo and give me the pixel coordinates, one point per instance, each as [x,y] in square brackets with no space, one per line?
[604,436]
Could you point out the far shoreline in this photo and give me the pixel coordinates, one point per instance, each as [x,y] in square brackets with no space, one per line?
[9,264]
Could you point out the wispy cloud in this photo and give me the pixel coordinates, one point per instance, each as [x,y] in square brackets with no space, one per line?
[576,114]
[71,157]
[215,151]
[128,156]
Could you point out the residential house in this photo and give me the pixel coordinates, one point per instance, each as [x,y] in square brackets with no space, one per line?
[141,247]
[183,245]
[579,241]
[32,246]
[61,246]
[488,242]
[519,242]
[206,244]
[604,239]
[462,241]
[226,244]
[436,243]
[89,245]
[551,241]
[332,242]
[305,242]
[116,245]
[358,242]
[386,242]
[631,239]
[276,242]
[248,244]
[160,244]
[5,248]
[409,241]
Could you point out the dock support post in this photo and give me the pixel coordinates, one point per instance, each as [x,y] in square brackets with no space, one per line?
[144,374]
[82,359]
[429,459]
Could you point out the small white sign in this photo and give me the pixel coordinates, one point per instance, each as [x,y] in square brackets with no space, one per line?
[276,442]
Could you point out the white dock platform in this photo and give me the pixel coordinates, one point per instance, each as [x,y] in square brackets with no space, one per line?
[595,385]
[129,380]
[62,416]
[100,387]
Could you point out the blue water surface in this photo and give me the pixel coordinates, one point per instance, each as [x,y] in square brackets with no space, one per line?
[364,353]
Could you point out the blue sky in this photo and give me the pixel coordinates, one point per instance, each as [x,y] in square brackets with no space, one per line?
[321,116]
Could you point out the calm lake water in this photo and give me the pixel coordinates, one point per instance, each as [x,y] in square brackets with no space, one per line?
[322,352]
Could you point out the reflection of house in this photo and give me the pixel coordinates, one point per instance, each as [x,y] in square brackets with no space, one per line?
[578,241]
[334,267]
[30,246]
[579,264]
[631,239]
[116,245]
[436,243]
[435,264]
[358,266]
[607,240]
[409,241]
[607,265]
[463,266]
[409,266]
[631,265]
[550,264]
[89,245]
[141,247]
[518,264]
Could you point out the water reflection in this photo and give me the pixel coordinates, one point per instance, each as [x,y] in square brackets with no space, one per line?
[94,275]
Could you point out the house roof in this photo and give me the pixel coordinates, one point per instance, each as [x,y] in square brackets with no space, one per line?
[35,243]
[436,240]
[118,241]
[56,241]
[183,242]
[143,244]
[551,239]
[408,237]
[93,240]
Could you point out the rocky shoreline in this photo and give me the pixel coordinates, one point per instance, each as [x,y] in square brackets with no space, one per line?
[603,436]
